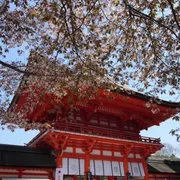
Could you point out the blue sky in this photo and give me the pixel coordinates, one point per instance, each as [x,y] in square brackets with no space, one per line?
[162,131]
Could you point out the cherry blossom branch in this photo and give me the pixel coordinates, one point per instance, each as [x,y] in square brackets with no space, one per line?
[140,14]
[23,71]
[174,13]
[16,69]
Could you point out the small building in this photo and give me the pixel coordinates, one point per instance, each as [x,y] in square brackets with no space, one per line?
[163,169]
[25,162]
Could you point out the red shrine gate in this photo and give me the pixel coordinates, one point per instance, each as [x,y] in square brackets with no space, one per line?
[103,156]
[102,136]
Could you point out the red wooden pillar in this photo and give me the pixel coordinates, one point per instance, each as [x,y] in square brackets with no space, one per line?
[125,164]
[86,164]
[50,175]
[75,177]
[20,173]
[59,159]
[110,177]
[97,177]
[144,163]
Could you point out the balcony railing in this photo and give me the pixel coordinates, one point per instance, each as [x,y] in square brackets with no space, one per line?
[106,133]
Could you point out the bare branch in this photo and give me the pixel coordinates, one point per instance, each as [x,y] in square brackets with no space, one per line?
[145,16]
[15,68]
[174,13]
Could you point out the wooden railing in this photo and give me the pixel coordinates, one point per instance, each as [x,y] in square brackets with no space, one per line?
[105,132]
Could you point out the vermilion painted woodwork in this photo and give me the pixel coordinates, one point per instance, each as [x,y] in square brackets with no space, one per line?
[61,140]
[125,164]
[21,171]
[122,106]
[59,159]
[168,176]
[145,169]
[87,162]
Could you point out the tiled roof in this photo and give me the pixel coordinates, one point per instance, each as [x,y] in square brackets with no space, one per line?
[23,156]
[157,165]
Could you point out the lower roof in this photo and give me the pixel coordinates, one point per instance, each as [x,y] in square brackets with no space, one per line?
[159,165]
[23,156]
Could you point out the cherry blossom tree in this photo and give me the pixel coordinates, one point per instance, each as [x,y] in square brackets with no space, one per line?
[99,43]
